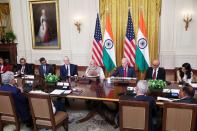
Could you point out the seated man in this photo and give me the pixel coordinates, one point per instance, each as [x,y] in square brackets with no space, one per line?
[141,91]
[125,70]
[20,101]
[44,68]
[94,70]
[24,68]
[186,95]
[156,72]
[68,69]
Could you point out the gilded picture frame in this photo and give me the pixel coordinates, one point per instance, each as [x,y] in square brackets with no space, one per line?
[44,17]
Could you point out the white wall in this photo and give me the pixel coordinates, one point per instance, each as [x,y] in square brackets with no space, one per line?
[73,44]
[177,45]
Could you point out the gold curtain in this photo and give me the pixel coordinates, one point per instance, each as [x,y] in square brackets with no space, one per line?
[118,10]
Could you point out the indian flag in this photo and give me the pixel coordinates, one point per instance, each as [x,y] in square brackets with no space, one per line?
[109,58]
[142,51]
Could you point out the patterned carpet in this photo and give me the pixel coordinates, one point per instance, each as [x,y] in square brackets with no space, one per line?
[94,124]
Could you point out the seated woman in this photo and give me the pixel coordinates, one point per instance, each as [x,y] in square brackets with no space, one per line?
[185,74]
[94,70]
[3,67]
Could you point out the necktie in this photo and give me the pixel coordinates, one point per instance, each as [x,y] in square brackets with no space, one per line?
[154,74]
[22,69]
[44,69]
[68,71]
[125,72]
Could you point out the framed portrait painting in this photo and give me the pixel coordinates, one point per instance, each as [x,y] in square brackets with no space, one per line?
[44,15]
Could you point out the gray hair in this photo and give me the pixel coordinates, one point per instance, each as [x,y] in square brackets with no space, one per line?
[142,86]
[7,77]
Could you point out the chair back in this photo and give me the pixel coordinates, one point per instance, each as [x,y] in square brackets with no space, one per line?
[7,109]
[179,117]
[41,107]
[32,68]
[134,115]
[53,68]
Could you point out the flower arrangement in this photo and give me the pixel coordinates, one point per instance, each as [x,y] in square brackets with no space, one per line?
[50,78]
[156,84]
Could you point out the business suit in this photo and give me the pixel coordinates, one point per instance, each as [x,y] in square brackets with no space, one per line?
[120,72]
[161,74]
[49,69]
[64,72]
[28,69]
[20,101]
[152,105]
[188,100]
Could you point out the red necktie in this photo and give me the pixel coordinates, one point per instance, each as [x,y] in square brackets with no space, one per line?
[125,72]
[154,74]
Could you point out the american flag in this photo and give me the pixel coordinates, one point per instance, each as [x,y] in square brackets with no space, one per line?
[129,46]
[97,44]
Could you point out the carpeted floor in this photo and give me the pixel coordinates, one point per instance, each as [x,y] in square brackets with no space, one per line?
[94,124]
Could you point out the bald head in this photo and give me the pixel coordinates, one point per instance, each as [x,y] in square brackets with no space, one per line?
[155,63]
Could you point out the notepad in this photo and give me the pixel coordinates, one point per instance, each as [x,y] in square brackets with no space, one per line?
[29,76]
[66,84]
[175,91]
[67,91]
[60,83]
[57,92]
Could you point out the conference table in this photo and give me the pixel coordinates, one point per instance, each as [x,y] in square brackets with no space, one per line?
[94,89]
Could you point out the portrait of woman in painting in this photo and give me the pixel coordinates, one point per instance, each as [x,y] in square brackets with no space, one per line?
[45,28]
[43,34]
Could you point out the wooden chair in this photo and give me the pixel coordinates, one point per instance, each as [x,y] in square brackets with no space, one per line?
[179,117]
[53,68]
[7,111]
[42,113]
[134,115]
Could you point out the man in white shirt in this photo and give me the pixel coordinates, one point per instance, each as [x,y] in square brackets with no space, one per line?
[68,69]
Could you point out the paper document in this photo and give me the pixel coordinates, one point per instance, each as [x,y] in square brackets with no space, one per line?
[60,83]
[175,91]
[57,92]
[163,99]
[166,90]
[29,76]
[66,84]
[166,99]
[194,85]
[67,91]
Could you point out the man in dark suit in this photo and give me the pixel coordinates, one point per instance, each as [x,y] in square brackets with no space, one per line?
[24,67]
[44,68]
[156,72]
[141,91]
[68,69]
[20,101]
[125,70]
[186,95]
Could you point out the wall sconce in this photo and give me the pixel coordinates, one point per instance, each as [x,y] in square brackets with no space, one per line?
[187,19]
[78,25]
